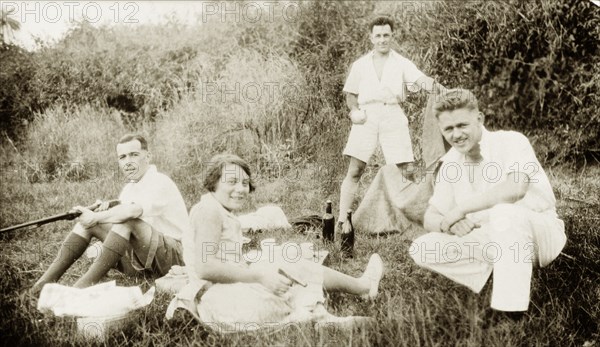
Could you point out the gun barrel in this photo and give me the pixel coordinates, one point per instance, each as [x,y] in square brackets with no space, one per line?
[42,221]
[63,216]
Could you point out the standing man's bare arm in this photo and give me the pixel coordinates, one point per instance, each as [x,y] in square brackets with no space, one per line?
[352,101]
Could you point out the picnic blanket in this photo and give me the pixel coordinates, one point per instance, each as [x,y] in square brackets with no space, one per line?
[392,204]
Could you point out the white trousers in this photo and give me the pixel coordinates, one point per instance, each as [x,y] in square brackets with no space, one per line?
[510,241]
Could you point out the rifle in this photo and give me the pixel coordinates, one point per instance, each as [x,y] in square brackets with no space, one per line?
[63,216]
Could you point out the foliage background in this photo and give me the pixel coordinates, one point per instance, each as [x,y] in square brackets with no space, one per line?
[534,65]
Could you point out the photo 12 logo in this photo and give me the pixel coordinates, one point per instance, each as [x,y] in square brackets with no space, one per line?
[71,11]
[250,11]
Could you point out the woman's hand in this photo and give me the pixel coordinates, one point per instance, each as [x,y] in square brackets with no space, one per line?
[276,283]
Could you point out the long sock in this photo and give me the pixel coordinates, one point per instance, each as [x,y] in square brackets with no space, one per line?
[347,193]
[71,249]
[113,248]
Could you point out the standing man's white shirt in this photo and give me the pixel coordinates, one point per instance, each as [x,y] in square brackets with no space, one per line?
[162,203]
[398,73]
[386,124]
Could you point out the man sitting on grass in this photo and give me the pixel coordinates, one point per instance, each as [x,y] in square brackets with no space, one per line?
[142,233]
[492,210]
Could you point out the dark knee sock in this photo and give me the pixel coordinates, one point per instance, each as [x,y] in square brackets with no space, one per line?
[113,248]
[71,249]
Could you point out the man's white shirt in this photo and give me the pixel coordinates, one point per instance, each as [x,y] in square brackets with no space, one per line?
[398,72]
[162,203]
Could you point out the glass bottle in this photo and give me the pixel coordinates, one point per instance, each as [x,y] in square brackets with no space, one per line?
[328,224]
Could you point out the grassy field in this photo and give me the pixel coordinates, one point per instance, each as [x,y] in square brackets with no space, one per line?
[415,307]
[194,91]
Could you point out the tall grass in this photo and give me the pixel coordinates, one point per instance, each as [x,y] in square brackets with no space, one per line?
[194,92]
[71,144]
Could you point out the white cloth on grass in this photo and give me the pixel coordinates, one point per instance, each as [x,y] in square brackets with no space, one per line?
[264,218]
[104,299]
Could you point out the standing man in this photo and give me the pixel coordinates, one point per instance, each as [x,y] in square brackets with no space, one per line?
[142,233]
[492,209]
[374,87]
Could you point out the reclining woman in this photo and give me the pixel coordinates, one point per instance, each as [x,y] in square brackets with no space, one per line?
[243,296]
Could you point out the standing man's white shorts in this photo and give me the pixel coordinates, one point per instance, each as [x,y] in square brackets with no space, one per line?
[387,124]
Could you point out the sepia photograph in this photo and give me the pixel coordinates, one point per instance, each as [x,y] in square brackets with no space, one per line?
[300,173]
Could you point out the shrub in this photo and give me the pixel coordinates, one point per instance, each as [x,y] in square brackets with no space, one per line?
[538,81]
[72,143]
[114,67]
[534,65]
[16,104]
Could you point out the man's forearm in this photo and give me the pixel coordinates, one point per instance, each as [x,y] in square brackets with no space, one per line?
[509,191]
[352,101]
[119,214]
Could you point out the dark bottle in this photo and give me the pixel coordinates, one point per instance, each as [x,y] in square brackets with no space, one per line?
[328,224]
[347,237]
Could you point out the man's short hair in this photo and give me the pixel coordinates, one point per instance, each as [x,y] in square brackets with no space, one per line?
[131,137]
[381,21]
[215,166]
[454,99]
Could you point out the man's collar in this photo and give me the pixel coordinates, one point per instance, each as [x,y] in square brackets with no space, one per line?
[392,54]
[151,169]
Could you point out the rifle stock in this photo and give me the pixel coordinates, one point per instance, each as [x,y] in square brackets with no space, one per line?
[63,216]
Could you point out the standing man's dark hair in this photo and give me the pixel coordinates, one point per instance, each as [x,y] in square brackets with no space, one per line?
[381,21]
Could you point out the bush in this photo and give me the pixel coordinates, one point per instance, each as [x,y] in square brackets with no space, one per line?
[534,66]
[16,104]
[113,67]
[538,81]
[139,71]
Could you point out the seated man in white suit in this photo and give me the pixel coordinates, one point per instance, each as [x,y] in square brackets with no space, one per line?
[492,210]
